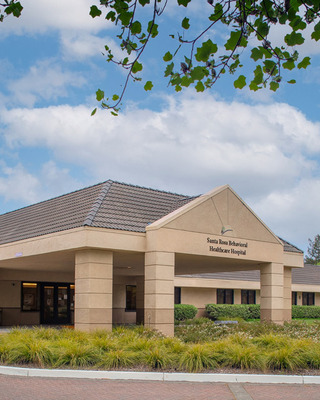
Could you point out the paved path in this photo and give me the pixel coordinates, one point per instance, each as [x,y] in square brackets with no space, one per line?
[34,388]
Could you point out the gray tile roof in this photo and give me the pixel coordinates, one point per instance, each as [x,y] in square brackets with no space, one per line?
[309,275]
[109,204]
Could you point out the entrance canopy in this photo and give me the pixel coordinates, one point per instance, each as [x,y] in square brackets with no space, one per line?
[110,233]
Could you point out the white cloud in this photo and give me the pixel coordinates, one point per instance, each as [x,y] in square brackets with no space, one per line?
[267,153]
[17,184]
[40,16]
[45,80]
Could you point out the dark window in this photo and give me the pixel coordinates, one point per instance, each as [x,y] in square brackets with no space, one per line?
[294,298]
[30,296]
[224,296]
[177,295]
[307,299]
[248,297]
[131,298]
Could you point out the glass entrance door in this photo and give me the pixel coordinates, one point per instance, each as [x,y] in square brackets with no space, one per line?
[55,303]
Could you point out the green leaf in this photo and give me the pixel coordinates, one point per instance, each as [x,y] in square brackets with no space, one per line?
[262,30]
[169,69]
[167,57]
[111,16]
[144,2]
[148,86]
[199,87]
[290,65]
[93,111]
[115,97]
[258,75]
[240,82]
[292,81]
[178,88]
[274,86]
[294,38]
[183,2]
[99,95]
[236,40]
[304,63]
[125,17]
[198,73]
[315,35]
[253,86]
[136,67]
[152,29]
[256,54]
[185,23]
[14,9]
[114,113]
[205,51]
[135,28]
[95,12]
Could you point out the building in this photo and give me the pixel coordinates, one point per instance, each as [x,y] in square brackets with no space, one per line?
[113,253]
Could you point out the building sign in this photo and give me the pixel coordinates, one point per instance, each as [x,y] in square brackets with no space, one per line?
[227,246]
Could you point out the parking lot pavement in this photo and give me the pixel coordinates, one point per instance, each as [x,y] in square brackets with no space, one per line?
[34,388]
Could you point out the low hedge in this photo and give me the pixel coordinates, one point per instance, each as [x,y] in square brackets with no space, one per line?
[305,311]
[252,311]
[184,311]
[244,311]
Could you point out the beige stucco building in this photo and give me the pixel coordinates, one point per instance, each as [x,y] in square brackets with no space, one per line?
[114,253]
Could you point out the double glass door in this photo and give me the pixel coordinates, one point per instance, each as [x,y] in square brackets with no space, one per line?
[55,303]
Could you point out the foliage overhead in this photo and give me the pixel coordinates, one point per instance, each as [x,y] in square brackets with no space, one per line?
[201,59]
[8,7]
[313,252]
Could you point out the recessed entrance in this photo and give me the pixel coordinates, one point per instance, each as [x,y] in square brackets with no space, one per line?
[55,303]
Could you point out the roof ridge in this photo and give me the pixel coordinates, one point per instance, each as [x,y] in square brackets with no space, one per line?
[97,204]
[150,188]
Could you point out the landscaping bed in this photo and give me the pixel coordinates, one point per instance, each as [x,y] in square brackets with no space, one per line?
[199,346]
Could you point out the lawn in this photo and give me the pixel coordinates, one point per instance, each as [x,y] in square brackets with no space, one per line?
[199,346]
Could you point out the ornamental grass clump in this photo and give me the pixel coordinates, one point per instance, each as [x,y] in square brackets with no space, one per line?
[36,352]
[75,354]
[244,357]
[198,357]
[117,358]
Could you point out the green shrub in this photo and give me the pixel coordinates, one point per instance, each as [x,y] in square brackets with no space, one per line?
[305,311]
[184,311]
[244,311]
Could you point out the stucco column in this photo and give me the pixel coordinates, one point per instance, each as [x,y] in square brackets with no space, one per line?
[93,290]
[299,298]
[140,300]
[237,296]
[271,293]
[287,300]
[159,292]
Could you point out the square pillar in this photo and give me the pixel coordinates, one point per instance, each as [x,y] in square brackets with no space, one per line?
[287,293]
[271,293]
[159,292]
[299,298]
[140,300]
[93,290]
[237,296]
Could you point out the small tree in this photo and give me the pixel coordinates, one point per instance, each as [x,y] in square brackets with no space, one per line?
[313,252]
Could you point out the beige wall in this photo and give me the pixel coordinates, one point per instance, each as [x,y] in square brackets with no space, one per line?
[198,297]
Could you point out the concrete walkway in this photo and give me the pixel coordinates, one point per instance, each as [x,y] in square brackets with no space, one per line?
[43,384]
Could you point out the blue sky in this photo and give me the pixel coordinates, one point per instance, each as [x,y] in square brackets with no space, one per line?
[264,145]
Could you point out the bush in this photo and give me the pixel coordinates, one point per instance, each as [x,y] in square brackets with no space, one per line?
[305,311]
[244,311]
[184,311]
